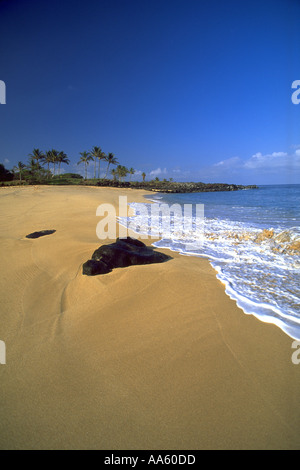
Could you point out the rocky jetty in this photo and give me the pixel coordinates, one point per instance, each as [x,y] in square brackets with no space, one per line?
[174,187]
[124,252]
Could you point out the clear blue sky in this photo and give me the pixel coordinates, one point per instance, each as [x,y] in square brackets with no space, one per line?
[189,89]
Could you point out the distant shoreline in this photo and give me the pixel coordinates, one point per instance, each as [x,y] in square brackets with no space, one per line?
[156,186]
[174,187]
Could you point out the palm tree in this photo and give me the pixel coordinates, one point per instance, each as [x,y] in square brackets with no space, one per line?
[111,160]
[48,159]
[33,166]
[19,168]
[37,155]
[101,156]
[62,158]
[96,154]
[85,158]
[143,176]
[119,171]
[131,172]
[122,171]
[54,159]
[114,173]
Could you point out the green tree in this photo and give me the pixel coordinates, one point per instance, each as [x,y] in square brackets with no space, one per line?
[19,169]
[122,172]
[97,154]
[48,159]
[143,176]
[37,156]
[5,175]
[32,171]
[85,158]
[33,166]
[111,160]
[101,156]
[125,172]
[54,159]
[114,173]
[131,172]
[62,158]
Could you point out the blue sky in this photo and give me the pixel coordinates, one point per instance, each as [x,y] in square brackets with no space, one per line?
[189,89]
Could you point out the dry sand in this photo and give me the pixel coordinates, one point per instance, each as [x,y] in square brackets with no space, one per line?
[146,357]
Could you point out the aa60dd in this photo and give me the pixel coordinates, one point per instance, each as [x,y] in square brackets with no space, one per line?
[172,459]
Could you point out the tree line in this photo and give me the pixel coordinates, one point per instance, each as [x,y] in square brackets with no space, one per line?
[38,160]
[97,155]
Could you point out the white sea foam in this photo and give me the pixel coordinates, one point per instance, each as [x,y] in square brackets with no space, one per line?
[259,271]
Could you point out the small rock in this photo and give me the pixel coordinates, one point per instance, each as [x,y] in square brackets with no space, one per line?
[283,237]
[41,233]
[264,235]
[294,246]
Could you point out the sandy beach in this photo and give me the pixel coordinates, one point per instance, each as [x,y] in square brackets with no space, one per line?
[145,357]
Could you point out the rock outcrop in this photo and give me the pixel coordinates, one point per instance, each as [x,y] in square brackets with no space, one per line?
[122,253]
[174,187]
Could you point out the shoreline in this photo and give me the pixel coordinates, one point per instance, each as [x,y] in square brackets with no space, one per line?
[250,305]
[146,357]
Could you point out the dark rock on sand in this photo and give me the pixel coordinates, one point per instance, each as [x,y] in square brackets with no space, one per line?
[92,268]
[41,233]
[124,252]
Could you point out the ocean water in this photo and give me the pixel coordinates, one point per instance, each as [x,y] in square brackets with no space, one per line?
[251,237]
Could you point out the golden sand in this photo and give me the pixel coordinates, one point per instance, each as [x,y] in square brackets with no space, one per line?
[145,357]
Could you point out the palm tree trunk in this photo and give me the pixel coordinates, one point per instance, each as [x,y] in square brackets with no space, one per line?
[37,163]
[107,170]
[99,169]
[95,168]
[85,167]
